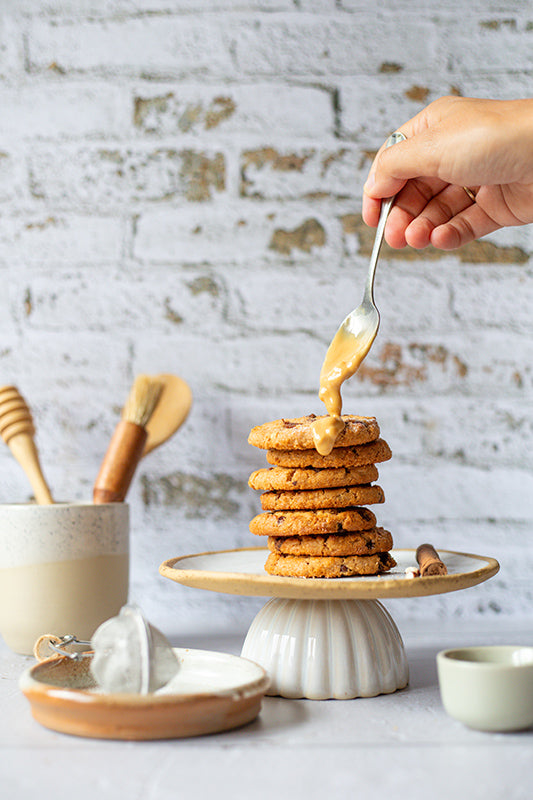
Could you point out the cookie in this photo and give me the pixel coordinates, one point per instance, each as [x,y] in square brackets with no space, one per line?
[356,456]
[286,479]
[377,540]
[297,434]
[328,566]
[320,521]
[341,497]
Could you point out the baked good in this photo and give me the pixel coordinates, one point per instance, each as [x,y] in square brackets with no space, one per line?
[376,540]
[318,521]
[328,566]
[297,433]
[355,456]
[286,479]
[340,497]
[314,505]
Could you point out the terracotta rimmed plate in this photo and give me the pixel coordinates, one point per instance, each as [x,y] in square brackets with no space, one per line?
[242,572]
[212,692]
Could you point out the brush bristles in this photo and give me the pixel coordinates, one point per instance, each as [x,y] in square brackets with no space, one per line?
[142,400]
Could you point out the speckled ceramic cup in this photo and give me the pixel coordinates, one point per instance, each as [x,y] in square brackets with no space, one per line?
[64,569]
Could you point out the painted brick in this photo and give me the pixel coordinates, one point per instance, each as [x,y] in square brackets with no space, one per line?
[140,46]
[315,45]
[125,8]
[477,363]
[480,431]
[487,42]
[371,109]
[308,44]
[271,300]
[11,46]
[478,300]
[232,110]
[43,238]
[434,491]
[270,173]
[110,299]
[125,175]
[226,234]
[7,176]
[231,365]
[63,110]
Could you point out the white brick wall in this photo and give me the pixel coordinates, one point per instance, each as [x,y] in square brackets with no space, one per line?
[180,189]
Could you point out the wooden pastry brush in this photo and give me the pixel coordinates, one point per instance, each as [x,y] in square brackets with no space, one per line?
[127,443]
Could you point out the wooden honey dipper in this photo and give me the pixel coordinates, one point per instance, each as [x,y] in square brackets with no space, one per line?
[18,432]
[127,444]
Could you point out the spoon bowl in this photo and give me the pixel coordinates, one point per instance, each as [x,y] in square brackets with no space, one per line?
[170,412]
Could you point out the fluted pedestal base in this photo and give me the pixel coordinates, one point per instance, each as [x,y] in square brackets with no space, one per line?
[327,649]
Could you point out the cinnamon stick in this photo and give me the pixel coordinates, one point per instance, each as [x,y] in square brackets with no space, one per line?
[429,561]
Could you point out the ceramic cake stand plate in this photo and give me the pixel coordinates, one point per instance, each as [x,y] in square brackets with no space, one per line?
[325,638]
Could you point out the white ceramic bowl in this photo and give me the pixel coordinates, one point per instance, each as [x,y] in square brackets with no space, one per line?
[488,688]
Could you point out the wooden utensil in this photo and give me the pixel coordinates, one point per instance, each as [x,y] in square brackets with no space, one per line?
[127,443]
[18,431]
[170,413]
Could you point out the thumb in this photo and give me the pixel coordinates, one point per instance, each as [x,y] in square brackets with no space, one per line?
[394,166]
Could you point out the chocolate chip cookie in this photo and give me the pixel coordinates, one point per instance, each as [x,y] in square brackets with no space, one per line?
[342,497]
[286,479]
[355,456]
[376,540]
[297,434]
[319,521]
[328,566]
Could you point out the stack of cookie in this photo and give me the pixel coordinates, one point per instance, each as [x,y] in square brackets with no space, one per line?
[314,506]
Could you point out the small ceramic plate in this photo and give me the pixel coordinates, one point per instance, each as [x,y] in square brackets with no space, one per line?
[243,572]
[212,692]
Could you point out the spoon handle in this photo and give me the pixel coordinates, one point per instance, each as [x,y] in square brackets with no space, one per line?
[23,448]
[386,206]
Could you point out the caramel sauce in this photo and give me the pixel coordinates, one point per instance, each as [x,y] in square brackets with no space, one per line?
[343,358]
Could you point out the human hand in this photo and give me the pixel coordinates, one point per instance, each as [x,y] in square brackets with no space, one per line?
[485,145]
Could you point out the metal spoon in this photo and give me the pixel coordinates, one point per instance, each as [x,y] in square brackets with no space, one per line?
[355,336]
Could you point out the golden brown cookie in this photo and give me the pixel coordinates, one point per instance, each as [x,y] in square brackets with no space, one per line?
[297,434]
[286,479]
[328,566]
[356,456]
[341,497]
[319,521]
[377,540]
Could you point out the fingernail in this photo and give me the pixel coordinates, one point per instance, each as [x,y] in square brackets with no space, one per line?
[370,181]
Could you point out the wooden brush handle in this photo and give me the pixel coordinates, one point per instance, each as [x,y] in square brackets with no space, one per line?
[119,463]
[23,448]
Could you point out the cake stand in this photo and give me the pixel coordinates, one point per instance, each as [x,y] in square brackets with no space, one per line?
[325,638]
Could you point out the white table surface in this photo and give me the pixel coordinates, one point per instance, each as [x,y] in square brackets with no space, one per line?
[394,746]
